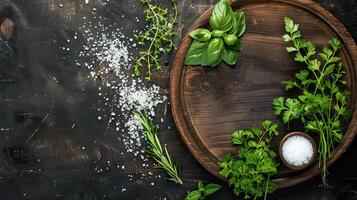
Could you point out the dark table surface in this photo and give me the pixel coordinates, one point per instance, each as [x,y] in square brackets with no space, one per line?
[42,153]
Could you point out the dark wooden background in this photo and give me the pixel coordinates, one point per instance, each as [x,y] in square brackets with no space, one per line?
[52,164]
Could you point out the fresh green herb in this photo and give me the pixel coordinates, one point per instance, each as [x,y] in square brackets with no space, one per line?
[157,38]
[209,48]
[322,102]
[159,154]
[203,191]
[251,171]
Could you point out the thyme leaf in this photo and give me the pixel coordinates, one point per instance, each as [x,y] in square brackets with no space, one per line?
[157,38]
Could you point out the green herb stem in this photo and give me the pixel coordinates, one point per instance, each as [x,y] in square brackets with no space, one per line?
[266,188]
[322,105]
[157,38]
[159,154]
[249,172]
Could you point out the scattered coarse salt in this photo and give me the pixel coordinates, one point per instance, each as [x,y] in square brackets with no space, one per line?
[297,151]
[106,54]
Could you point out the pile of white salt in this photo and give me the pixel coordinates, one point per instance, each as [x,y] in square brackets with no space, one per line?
[297,151]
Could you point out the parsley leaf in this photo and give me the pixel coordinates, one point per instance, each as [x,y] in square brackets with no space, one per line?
[278,104]
[203,191]
[321,103]
[249,174]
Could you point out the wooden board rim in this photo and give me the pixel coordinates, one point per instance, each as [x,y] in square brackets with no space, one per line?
[184,126]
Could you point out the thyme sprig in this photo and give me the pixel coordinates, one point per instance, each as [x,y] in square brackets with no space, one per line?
[159,154]
[157,38]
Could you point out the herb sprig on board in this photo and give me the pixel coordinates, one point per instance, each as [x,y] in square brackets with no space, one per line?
[203,191]
[250,172]
[157,152]
[222,42]
[322,102]
[157,38]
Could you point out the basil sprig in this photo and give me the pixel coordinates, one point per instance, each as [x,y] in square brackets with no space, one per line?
[222,42]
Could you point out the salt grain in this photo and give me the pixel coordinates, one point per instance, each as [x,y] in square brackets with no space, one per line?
[297,151]
[107,53]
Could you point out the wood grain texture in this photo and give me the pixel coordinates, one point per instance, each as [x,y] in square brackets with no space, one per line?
[208,104]
[51,166]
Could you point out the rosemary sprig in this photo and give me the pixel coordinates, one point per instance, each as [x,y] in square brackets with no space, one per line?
[159,154]
[157,38]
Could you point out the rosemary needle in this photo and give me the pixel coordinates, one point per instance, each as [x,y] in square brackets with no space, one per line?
[159,154]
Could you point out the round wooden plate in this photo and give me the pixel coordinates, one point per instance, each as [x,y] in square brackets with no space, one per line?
[209,103]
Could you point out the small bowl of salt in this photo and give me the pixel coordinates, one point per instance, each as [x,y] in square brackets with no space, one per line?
[297,150]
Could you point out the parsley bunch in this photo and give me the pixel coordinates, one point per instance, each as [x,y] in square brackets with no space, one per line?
[157,38]
[222,42]
[322,102]
[203,191]
[250,172]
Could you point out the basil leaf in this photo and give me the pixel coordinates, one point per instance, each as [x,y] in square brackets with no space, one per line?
[201,34]
[230,56]
[197,54]
[230,40]
[239,24]
[222,16]
[194,195]
[211,188]
[237,46]
[215,52]
[217,33]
